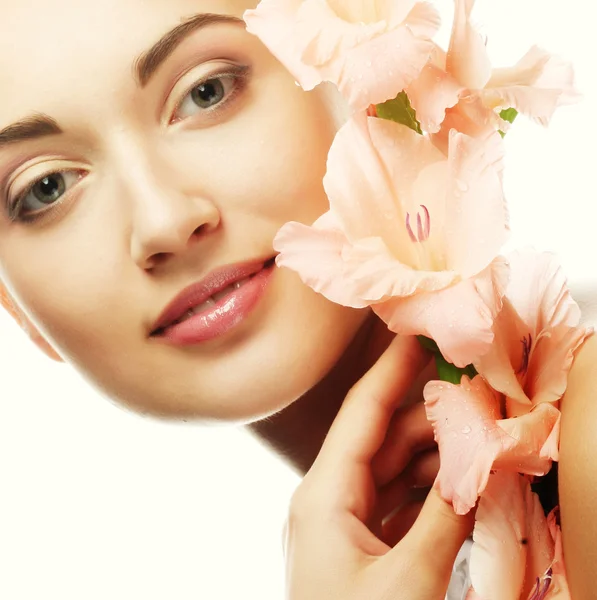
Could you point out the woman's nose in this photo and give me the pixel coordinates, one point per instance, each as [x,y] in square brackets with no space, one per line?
[167,220]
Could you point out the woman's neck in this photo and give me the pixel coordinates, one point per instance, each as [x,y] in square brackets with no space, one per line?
[297,433]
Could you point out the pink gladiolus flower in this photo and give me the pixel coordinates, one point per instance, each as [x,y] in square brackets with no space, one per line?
[536,334]
[370,50]
[535,337]
[461,90]
[410,232]
[474,438]
[517,553]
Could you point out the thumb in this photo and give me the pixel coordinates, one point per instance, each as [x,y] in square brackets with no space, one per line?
[438,535]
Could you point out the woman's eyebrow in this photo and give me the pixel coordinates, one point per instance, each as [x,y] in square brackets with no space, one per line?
[27,129]
[149,62]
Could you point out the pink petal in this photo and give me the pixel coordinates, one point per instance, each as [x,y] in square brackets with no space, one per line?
[370,62]
[380,70]
[328,32]
[473,439]
[431,93]
[372,167]
[471,117]
[459,318]
[550,363]
[371,265]
[423,19]
[467,59]
[464,419]
[539,315]
[559,586]
[537,435]
[502,365]
[274,23]
[394,12]
[536,86]
[538,291]
[476,225]
[316,255]
[511,538]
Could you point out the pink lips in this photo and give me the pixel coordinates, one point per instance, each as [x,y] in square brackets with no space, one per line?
[247,283]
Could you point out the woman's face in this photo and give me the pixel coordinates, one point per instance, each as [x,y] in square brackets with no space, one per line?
[131,172]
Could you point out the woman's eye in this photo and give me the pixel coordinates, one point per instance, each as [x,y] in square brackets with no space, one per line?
[207,95]
[43,193]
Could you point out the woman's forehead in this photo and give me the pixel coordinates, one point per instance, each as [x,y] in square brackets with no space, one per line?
[53,46]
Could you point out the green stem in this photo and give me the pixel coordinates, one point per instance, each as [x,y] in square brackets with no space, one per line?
[446,371]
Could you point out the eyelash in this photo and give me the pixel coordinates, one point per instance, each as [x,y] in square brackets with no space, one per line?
[239,74]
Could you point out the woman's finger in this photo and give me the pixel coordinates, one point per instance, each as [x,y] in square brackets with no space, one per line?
[398,524]
[438,528]
[409,432]
[360,427]
[421,473]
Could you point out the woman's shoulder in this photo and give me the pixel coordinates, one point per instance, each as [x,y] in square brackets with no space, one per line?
[578,459]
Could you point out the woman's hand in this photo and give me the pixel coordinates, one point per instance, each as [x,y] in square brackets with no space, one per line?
[336,546]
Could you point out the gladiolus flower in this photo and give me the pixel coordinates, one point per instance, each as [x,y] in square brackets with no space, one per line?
[411,233]
[535,337]
[517,551]
[370,50]
[536,334]
[474,437]
[460,90]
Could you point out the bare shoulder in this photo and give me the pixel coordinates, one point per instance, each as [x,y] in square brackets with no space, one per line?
[578,472]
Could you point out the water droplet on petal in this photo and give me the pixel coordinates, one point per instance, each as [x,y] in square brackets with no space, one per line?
[467,429]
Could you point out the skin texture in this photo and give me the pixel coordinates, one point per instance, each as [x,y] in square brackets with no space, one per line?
[577,475]
[155,204]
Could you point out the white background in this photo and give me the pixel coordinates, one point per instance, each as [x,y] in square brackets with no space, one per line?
[96,503]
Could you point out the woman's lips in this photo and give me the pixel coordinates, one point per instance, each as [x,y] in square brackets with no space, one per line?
[215,305]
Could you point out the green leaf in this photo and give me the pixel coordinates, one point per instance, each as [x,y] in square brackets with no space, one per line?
[450,373]
[509,115]
[428,344]
[400,111]
[447,371]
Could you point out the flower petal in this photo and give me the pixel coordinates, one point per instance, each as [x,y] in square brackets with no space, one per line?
[536,334]
[551,361]
[467,60]
[510,533]
[370,62]
[537,435]
[329,32]
[507,358]
[471,117]
[535,86]
[369,55]
[431,93]
[459,318]
[355,11]
[372,166]
[559,584]
[380,70]
[476,222]
[274,23]
[371,265]
[315,254]
[464,419]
